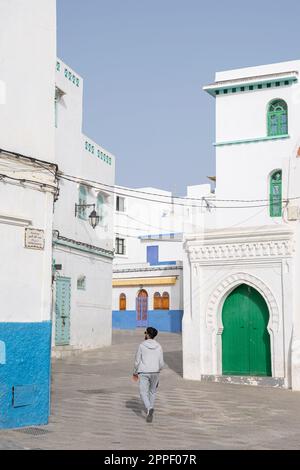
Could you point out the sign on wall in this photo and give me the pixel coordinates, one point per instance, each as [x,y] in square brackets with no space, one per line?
[34,239]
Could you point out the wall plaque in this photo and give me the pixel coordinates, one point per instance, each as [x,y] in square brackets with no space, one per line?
[34,239]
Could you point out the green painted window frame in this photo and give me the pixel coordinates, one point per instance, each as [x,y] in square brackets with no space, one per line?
[81,283]
[276,193]
[82,199]
[277,118]
[100,207]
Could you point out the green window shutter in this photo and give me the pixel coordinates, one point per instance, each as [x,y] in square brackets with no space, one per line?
[100,207]
[277,118]
[276,194]
[82,200]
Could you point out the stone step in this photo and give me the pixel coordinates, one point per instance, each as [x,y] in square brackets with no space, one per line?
[246,380]
[61,352]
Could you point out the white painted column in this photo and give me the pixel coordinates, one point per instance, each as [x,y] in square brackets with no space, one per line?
[295,349]
[191,319]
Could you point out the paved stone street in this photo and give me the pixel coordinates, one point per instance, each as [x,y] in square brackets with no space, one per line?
[95,405]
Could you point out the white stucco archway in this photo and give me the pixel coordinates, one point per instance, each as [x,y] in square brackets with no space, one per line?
[214,318]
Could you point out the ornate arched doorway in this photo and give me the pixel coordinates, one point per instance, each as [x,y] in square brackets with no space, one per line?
[245,338]
[142,309]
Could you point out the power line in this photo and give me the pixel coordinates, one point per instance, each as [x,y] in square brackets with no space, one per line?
[184,198]
[112,191]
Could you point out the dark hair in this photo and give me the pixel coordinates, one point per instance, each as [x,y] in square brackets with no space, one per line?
[152,332]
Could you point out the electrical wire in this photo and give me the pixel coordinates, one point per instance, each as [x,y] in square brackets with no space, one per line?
[184,198]
[112,191]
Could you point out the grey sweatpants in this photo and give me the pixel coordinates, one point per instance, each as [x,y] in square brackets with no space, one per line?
[148,385]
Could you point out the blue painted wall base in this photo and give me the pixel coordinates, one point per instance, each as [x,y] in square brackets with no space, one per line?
[24,374]
[163,320]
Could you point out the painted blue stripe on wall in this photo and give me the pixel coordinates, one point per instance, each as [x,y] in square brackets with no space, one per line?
[124,319]
[163,320]
[25,375]
[166,320]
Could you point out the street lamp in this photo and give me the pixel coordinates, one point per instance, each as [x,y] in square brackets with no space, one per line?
[93,217]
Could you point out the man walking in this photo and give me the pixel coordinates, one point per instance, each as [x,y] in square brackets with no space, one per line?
[147,366]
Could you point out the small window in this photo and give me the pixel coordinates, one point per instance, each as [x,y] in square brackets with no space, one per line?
[225,92]
[58,96]
[100,207]
[120,204]
[277,83]
[120,246]
[268,85]
[242,88]
[82,200]
[277,118]
[217,92]
[81,283]
[259,86]
[122,302]
[157,301]
[233,90]
[165,301]
[286,82]
[250,87]
[276,194]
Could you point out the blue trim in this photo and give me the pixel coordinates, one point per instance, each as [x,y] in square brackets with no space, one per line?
[25,375]
[152,255]
[164,320]
[250,141]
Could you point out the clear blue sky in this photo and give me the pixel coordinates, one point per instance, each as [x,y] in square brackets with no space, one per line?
[144,63]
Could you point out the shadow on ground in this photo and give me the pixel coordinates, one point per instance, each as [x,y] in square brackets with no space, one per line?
[173,359]
[136,406]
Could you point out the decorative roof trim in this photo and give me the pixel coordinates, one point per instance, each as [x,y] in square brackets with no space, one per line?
[83,247]
[255,81]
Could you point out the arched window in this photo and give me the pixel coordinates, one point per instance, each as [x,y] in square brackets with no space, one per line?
[100,207]
[165,301]
[157,301]
[277,118]
[276,194]
[82,200]
[122,302]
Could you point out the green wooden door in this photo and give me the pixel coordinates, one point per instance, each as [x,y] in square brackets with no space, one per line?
[245,338]
[62,311]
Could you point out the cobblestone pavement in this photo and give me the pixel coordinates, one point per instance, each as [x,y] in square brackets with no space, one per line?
[95,405]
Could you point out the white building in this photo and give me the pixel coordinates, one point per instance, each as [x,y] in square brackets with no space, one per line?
[241,277]
[82,255]
[147,274]
[28,189]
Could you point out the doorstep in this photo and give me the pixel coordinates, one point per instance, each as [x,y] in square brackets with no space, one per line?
[245,380]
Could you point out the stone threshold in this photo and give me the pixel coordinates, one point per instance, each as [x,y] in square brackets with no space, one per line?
[61,352]
[277,382]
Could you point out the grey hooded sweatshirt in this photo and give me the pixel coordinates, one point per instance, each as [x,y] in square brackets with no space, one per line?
[149,357]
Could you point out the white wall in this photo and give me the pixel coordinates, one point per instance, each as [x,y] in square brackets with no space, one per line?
[77,155]
[27,58]
[152,211]
[174,291]
[90,321]
[243,170]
